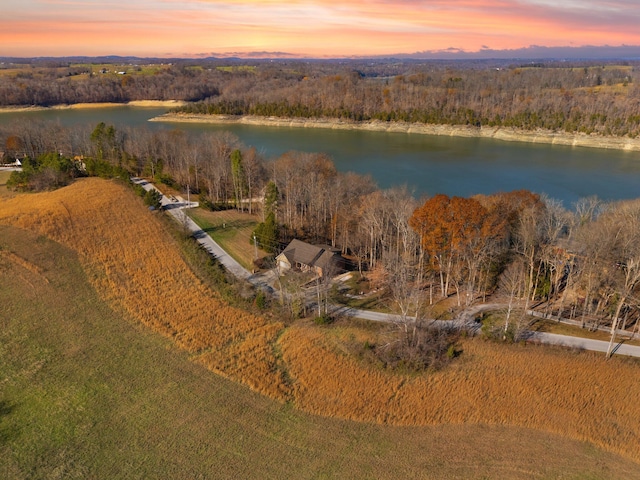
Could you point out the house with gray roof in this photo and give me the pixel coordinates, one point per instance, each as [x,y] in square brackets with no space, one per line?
[303,256]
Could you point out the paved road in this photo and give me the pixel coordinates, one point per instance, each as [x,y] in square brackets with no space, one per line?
[583,343]
[176,208]
[465,320]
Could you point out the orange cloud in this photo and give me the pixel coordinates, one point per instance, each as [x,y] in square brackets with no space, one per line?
[313,27]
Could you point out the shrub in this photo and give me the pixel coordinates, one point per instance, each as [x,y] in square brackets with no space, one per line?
[153,198]
[260,300]
[18,181]
[204,202]
[426,348]
[166,179]
[47,172]
[138,189]
[324,319]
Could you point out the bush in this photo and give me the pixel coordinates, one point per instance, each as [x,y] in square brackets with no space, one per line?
[153,198]
[428,348]
[204,202]
[138,189]
[324,319]
[166,179]
[47,172]
[260,300]
[18,181]
[493,329]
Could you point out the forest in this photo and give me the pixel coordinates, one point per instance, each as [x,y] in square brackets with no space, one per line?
[516,247]
[577,97]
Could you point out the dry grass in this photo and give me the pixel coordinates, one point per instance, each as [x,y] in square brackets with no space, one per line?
[12,72]
[618,88]
[79,382]
[575,394]
[135,266]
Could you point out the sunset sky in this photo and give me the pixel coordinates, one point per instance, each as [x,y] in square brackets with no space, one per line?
[313,28]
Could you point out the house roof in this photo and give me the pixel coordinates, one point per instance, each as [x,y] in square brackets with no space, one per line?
[312,255]
[301,252]
[325,259]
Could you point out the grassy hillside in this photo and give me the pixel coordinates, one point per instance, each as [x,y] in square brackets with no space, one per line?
[85,393]
[135,266]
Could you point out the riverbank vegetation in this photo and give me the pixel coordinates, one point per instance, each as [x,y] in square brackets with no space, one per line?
[593,98]
[530,252]
[600,100]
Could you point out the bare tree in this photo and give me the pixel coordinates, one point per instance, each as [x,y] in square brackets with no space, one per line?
[626,248]
[511,283]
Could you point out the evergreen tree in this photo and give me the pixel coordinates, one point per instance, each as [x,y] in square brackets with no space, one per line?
[238,176]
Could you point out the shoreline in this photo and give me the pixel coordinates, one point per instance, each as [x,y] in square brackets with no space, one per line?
[498,133]
[81,106]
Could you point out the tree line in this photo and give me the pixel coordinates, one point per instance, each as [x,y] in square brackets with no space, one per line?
[590,98]
[519,247]
[602,100]
[45,87]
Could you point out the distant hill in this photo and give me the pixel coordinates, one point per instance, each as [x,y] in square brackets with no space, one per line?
[533,52]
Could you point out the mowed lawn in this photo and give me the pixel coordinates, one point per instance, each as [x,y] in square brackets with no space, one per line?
[232,230]
[86,393]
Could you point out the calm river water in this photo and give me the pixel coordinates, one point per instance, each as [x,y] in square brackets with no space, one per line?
[427,164]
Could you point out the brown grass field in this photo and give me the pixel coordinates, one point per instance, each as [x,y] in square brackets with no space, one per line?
[496,397]
[87,393]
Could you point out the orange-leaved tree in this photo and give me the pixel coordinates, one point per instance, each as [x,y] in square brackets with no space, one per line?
[460,238]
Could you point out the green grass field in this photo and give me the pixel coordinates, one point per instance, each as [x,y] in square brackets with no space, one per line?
[231,230]
[237,68]
[86,393]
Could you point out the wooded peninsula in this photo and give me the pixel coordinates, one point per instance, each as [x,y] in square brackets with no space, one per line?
[574,103]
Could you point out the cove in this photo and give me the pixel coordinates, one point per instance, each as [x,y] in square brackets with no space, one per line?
[426,164]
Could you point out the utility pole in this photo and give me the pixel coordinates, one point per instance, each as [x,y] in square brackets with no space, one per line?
[255,247]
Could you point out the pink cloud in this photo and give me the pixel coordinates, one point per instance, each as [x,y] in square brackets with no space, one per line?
[361,27]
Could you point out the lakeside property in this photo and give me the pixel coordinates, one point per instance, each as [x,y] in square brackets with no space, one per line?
[164,294]
[497,133]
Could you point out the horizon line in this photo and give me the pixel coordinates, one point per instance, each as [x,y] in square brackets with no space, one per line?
[533,52]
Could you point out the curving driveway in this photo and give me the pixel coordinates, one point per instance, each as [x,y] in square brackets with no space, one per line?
[175,207]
